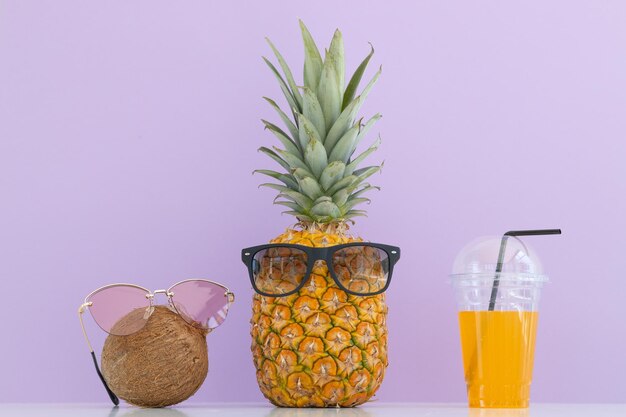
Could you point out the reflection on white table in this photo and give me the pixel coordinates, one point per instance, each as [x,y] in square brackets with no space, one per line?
[262,410]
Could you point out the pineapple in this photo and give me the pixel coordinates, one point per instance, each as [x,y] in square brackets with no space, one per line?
[320,347]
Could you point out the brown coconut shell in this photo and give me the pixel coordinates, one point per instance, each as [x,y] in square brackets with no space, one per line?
[162,364]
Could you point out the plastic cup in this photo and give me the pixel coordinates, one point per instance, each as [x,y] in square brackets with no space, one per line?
[498,341]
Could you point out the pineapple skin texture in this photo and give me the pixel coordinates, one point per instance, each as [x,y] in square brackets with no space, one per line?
[320,347]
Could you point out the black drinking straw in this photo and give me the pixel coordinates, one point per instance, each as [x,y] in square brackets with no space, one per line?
[496,281]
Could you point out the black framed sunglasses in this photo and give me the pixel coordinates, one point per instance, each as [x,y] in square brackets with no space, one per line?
[358,268]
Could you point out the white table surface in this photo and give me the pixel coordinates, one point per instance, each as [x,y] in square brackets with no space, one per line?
[263,410]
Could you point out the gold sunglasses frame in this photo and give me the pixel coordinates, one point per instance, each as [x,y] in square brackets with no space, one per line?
[230,296]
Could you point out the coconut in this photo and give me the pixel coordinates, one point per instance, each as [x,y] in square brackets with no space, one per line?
[162,364]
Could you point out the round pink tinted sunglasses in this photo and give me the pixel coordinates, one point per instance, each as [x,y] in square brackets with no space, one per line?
[123,309]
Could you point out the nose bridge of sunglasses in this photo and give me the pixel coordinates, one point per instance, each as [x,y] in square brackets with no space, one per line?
[151,296]
[320,254]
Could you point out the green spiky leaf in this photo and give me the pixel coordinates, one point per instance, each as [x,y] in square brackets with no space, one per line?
[312,59]
[315,157]
[287,72]
[286,120]
[355,213]
[332,173]
[290,145]
[313,111]
[336,50]
[357,161]
[293,160]
[353,202]
[307,131]
[288,180]
[275,157]
[299,215]
[293,104]
[326,208]
[341,197]
[368,88]
[322,199]
[343,183]
[310,187]
[344,122]
[367,171]
[363,174]
[300,173]
[366,188]
[343,148]
[353,84]
[329,90]
[290,204]
[365,129]
[298,198]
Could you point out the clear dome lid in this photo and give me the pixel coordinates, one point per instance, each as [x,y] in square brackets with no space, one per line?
[480,259]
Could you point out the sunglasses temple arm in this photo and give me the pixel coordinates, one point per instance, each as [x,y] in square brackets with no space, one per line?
[112,396]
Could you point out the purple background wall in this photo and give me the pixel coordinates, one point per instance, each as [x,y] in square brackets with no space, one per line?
[128,132]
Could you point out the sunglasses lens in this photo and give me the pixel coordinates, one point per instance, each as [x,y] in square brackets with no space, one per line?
[278,270]
[120,310]
[362,269]
[202,304]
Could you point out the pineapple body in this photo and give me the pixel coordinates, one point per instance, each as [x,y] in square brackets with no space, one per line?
[320,347]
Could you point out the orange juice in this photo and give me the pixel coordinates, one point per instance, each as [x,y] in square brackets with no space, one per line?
[498,352]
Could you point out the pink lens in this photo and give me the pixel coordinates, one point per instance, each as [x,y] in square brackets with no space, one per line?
[120,309]
[201,303]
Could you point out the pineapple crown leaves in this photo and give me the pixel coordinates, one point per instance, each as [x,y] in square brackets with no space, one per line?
[321,181]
